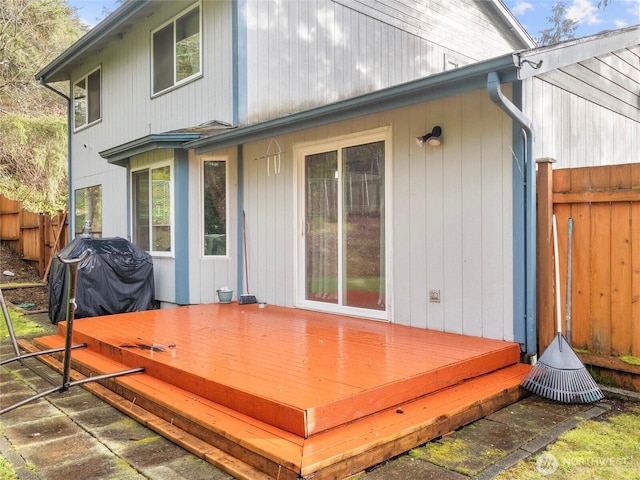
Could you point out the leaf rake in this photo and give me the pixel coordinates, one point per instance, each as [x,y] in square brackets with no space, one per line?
[559,374]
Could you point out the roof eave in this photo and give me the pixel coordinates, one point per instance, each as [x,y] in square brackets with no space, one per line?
[553,57]
[441,85]
[55,71]
[120,155]
[513,23]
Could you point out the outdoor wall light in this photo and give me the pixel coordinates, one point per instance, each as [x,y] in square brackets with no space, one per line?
[432,138]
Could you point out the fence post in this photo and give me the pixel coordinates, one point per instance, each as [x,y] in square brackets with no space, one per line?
[546,315]
[43,227]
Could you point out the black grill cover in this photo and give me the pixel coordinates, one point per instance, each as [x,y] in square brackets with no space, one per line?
[116,278]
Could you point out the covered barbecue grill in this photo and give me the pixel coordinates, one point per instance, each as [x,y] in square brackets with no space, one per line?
[116,278]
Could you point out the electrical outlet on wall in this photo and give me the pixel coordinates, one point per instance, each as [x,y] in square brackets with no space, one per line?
[434,296]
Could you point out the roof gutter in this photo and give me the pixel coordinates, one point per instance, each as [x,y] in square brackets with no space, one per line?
[105,27]
[495,93]
[424,89]
[69,129]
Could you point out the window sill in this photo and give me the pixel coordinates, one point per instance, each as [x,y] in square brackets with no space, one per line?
[178,85]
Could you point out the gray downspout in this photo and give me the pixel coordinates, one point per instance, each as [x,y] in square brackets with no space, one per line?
[495,93]
[71,218]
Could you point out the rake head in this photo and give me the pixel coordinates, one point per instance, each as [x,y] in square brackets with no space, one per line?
[559,375]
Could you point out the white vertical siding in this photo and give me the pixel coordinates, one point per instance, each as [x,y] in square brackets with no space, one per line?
[451,206]
[207,274]
[458,24]
[114,204]
[455,233]
[471,256]
[305,54]
[586,114]
[414,218]
[579,133]
[451,215]
[129,112]
[164,279]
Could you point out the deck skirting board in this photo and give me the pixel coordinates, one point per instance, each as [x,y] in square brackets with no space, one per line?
[403,388]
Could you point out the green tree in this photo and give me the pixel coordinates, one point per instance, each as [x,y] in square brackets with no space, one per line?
[33,161]
[562,28]
[32,118]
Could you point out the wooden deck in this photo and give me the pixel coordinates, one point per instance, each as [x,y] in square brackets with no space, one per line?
[290,393]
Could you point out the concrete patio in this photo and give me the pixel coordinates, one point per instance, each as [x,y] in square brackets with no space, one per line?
[76,435]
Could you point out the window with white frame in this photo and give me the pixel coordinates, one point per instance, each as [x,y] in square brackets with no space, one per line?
[214,208]
[176,48]
[86,99]
[152,208]
[343,244]
[88,211]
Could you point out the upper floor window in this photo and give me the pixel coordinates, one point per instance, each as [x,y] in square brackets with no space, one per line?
[176,49]
[86,99]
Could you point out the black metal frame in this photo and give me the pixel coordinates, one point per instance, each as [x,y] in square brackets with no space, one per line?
[72,266]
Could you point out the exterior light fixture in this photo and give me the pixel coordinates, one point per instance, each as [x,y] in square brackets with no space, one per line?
[432,138]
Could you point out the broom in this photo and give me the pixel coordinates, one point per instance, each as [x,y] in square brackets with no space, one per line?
[246,298]
[559,374]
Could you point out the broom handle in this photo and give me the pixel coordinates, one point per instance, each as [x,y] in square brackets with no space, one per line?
[557,272]
[244,243]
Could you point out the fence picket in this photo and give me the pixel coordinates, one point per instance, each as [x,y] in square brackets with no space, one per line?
[604,203]
[35,237]
[620,279]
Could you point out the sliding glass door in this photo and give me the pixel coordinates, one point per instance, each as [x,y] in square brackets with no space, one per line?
[344,227]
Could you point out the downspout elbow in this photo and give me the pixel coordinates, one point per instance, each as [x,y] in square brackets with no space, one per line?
[495,93]
[44,83]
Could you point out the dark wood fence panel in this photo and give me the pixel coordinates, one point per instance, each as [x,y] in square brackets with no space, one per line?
[36,237]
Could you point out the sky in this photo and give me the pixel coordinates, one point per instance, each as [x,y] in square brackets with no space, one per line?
[532,14]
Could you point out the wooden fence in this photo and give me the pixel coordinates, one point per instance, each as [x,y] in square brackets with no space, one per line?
[604,205]
[35,237]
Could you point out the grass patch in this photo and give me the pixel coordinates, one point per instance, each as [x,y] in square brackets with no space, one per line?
[6,470]
[630,360]
[595,449]
[22,326]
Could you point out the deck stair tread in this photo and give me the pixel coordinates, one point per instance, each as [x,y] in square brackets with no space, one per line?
[294,391]
[346,427]
[284,448]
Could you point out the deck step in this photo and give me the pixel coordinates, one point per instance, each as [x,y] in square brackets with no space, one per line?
[277,453]
[309,384]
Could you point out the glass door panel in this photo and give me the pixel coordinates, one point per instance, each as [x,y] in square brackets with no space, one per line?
[344,236]
[321,224]
[363,243]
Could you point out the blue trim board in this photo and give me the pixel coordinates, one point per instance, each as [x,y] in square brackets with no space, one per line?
[239,34]
[519,227]
[240,115]
[240,227]
[181,225]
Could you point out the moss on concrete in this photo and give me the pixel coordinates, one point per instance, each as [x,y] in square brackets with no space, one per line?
[595,449]
[22,325]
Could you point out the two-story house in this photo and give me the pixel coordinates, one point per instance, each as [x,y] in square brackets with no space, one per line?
[374,159]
